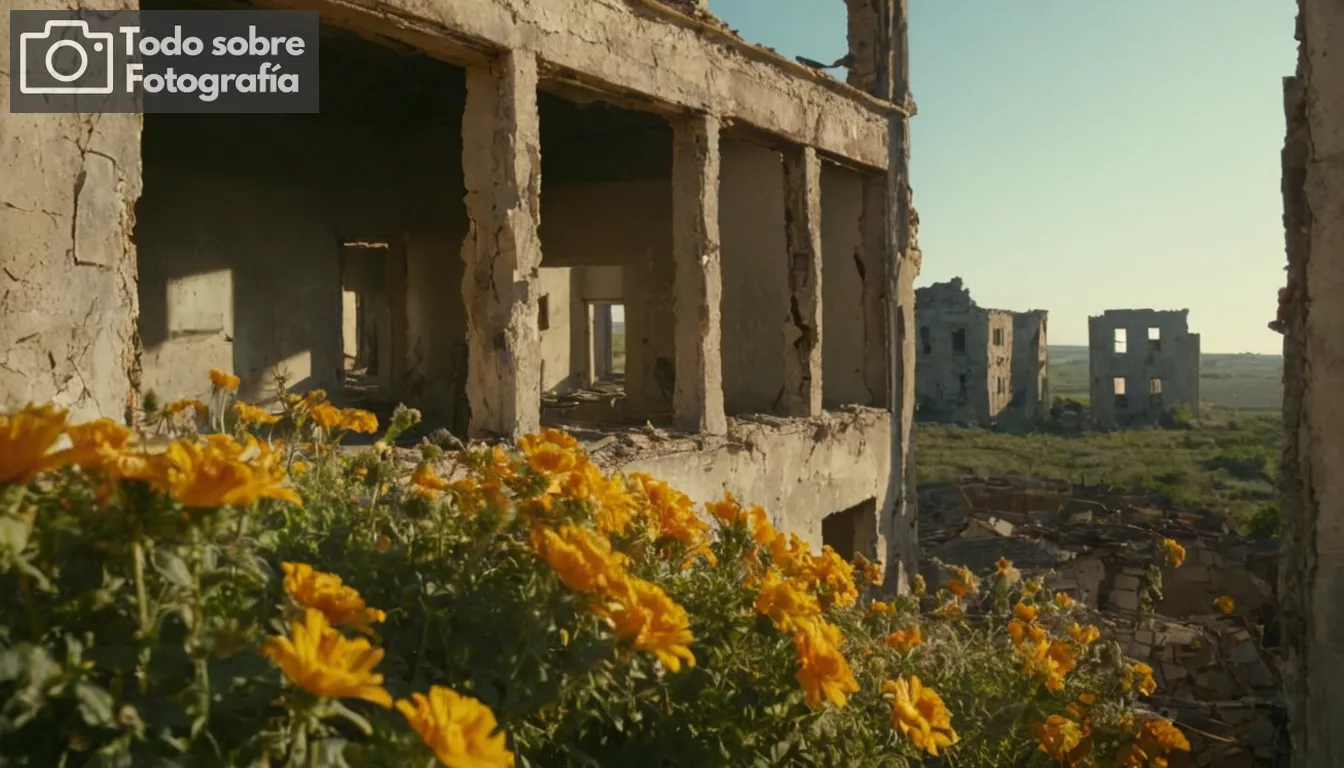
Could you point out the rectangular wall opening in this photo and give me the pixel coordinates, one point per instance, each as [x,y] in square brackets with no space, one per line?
[998,337]
[925,340]
[1155,339]
[852,530]
[1155,392]
[959,340]
[1118,387]
[1120,341]
[369,298]
[607,335]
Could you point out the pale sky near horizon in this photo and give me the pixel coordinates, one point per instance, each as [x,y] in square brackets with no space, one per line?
[1080,155]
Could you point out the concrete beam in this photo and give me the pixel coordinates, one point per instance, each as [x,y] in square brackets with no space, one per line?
[501,165]
[802,332]
[643,49]
[698,282]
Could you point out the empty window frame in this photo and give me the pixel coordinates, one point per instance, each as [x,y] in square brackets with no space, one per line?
[926,339]
[1155,339]
[959,340]
[1120,341]
[998,337]
[1118,387]
[544,312]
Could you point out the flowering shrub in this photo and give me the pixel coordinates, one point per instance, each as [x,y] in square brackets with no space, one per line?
[168,598]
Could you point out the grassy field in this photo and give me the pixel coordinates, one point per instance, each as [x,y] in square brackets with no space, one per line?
[1229,463]
[1241,382]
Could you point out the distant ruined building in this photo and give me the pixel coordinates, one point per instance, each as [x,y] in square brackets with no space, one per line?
[978,365]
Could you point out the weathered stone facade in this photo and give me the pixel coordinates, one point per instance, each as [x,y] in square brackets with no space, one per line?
[1142,363]
[1311,477]
[498,164]
[976,364]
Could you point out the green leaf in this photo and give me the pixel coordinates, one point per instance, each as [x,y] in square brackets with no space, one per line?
[172,568]
[95,704]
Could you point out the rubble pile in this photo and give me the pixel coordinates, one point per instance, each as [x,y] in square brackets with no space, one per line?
[1218,675]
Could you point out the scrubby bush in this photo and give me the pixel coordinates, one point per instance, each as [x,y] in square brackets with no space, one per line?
[168,598]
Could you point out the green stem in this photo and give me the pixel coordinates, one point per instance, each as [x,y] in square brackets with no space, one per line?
[142,607]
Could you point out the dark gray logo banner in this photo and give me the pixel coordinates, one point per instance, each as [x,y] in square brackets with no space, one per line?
[163,61]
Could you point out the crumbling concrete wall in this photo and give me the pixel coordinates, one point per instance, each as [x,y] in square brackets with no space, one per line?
[843,278]
[952,375]
[800,470]
[68,185]
[1157,358]
[999,361]
[557,332]
[755,288]
[1031,387]
[1311,317]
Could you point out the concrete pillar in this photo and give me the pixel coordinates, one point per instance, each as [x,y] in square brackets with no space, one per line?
[872,260]
[1311,477]
[69,184]
[698,284]
[501,165]
[802,333]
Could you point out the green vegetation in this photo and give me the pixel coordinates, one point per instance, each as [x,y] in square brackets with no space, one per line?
[1229,463]
[1244,382]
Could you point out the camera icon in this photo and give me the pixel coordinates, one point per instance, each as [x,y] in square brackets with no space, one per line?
[65,58]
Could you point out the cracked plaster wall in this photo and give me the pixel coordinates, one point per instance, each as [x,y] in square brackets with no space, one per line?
[1312,470]
[68,184]
[842,285]
[800,470]
[1175,361]
[755,279]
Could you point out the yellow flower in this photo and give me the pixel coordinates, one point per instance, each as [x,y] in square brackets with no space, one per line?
[788,603]
[879,608]
[327,416]
[26,438]
[836,577]
[1031,587]
[95,444]
[952,609]
[1225,604]
[425,477]
[219,471]
[341,604]
[872,571]
[460,731]
[299,467]
[251,414]
[917,585]
[902,640]
[671,512]
[918,714]
[1002,566]
[653,622]
[357,420]
[178,406]
[1084,636]
[962,583]
[225,381]
[1062,739]
[1140,676]
[1024,612]
[1175,552]
[1156,739]
[322,661]
[551,451]
[1063,600]
[583,560]
[823,671]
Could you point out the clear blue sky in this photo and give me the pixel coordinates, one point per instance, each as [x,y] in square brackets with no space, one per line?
[1081,155]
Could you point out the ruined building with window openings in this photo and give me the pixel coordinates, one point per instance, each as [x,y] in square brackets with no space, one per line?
[1142,364]
[487,181]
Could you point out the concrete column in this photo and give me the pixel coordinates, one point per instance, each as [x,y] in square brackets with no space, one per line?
[802,333]
[698,284]
[501,165]
[872,259]
[1311,477]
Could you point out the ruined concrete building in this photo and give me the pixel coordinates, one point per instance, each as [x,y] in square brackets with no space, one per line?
[1311,477]
[976,364]
[1142,364]
[486,181]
